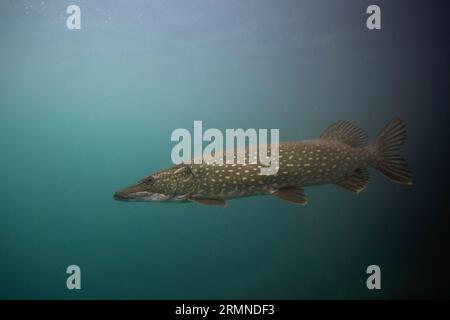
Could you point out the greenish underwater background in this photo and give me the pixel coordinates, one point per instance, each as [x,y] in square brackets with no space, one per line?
[86,112]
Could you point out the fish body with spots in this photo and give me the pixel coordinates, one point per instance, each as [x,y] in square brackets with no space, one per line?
[340,156]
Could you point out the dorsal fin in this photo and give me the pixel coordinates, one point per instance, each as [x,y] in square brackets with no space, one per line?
[345,132]
[356,182]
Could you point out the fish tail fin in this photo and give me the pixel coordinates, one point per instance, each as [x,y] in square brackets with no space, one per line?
[386,148]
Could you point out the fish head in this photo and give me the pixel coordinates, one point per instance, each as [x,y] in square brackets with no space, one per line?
[173,184]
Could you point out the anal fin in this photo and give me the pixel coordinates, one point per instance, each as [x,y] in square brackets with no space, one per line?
[294,194]
[356,182]
[208,201]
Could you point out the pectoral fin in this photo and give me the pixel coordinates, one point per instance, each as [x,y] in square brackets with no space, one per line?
[208,201]
[294,194]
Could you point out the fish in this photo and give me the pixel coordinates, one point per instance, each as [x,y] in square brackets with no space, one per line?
[340,156]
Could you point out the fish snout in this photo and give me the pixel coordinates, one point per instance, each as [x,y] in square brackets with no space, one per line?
[122,196]
[133,195]
[132,192]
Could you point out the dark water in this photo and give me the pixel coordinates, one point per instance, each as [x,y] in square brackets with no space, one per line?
[85,112]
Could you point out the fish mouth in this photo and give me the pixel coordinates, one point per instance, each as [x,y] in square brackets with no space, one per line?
[123,196]
[139,196]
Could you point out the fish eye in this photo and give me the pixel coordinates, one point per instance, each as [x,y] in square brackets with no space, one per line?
[149,180]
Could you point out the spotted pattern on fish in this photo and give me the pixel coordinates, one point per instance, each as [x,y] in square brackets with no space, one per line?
[300,163]
[340,156]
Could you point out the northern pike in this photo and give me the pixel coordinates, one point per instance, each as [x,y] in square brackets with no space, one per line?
[340,156]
